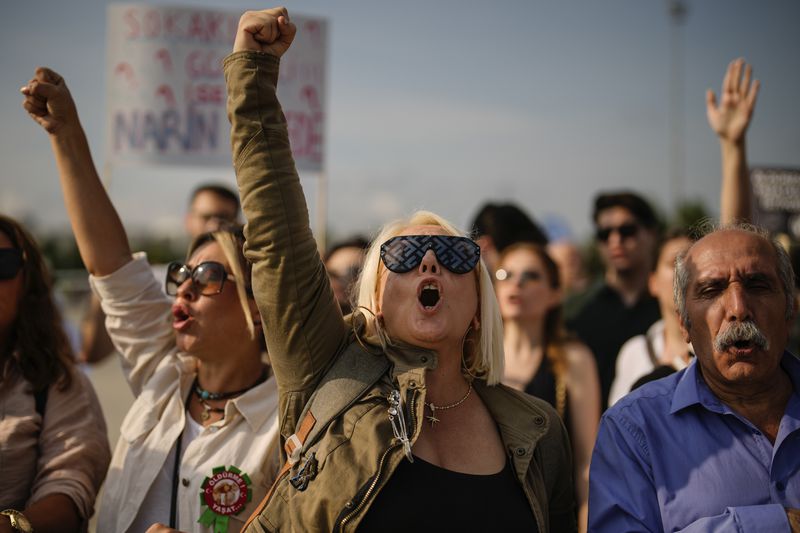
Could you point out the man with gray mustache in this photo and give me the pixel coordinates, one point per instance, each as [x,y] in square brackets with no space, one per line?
[716,446]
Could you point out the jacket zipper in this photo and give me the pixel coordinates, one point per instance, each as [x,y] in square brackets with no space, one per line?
[374,484]
[371,487]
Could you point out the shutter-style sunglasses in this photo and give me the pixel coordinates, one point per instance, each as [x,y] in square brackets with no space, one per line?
[402,254]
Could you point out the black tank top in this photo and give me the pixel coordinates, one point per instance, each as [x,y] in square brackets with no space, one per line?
[424,497]
[543,385]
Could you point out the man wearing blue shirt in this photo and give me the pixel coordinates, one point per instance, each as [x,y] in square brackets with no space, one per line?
[715,447]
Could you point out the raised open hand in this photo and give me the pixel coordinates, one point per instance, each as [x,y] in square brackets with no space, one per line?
[730,118]
[267,31]
[48,101]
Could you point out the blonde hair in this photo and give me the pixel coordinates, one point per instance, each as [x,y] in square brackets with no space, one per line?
[231,242]
[485,360]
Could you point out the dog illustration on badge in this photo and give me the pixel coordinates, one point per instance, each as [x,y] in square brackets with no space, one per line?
[223,494]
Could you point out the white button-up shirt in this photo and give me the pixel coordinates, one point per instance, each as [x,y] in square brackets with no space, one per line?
[138,321]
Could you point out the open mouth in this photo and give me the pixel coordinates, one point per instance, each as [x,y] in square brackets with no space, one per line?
[180,317]
[429,295]
[742,345]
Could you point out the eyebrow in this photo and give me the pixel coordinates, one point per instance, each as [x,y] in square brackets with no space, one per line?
[722,281]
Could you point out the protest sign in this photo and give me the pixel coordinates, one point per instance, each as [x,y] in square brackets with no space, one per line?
[166,91]
[777,199]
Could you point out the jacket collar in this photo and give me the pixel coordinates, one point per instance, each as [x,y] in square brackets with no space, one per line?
[518,432]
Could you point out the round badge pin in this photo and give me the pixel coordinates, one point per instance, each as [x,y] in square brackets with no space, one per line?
[223,494]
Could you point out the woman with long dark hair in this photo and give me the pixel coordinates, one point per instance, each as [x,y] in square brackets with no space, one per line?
[54,450]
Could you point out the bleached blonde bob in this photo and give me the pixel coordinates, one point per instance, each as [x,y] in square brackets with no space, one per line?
[482,350]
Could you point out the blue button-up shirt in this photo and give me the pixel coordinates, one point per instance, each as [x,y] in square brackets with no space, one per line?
[671,457]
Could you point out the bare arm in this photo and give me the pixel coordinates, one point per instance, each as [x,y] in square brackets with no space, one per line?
[730,120]
[583,387]
[98,230]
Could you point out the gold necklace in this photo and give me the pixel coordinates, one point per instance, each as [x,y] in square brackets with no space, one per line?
[432,417]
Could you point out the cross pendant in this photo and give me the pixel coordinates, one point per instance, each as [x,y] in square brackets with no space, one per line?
[432,419]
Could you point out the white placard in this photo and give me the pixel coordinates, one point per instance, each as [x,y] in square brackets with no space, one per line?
[166,92]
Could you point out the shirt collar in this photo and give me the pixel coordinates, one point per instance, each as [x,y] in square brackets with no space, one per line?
[258,405]
[692,388]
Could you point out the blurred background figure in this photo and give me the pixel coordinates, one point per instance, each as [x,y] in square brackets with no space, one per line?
[662,349]
[497,226]
[343,262]
[618,306]
[571,271]
[541,360]
[53,445]
[211,206]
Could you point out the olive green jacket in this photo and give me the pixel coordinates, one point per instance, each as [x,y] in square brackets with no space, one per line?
[321,366]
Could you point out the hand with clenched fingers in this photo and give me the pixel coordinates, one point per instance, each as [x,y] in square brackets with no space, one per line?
[49,102]
[268,31]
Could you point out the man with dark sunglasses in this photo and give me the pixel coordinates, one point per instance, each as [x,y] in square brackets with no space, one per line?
[619,306]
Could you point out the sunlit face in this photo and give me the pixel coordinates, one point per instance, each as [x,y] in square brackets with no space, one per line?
[428,326]
[208,212]
[208,326]
[10,292]
[733,278]
[661,278]
[526,292]
[624,253]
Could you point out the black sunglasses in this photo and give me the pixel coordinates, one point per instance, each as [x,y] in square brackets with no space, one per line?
[402,254]
[208,278]
[624,230]
[10,262]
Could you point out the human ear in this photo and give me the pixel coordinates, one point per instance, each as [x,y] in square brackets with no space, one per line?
[651,285]
[685,327]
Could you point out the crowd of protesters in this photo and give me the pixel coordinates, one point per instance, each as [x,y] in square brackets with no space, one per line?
[427,379]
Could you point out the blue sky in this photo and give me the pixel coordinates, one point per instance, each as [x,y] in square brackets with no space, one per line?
[444,105]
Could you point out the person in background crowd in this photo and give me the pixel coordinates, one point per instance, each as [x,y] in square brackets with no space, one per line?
[571,270]
[716,446]
[619,306]
[204,417]
[540,360]
[212,206]
[499,225]
[343,263]
[393,420]
[53,445]
[662,347]
[661,350]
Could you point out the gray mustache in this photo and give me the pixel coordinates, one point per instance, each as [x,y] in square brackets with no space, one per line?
[738,332]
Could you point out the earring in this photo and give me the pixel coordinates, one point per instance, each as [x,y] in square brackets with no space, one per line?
[464,340]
